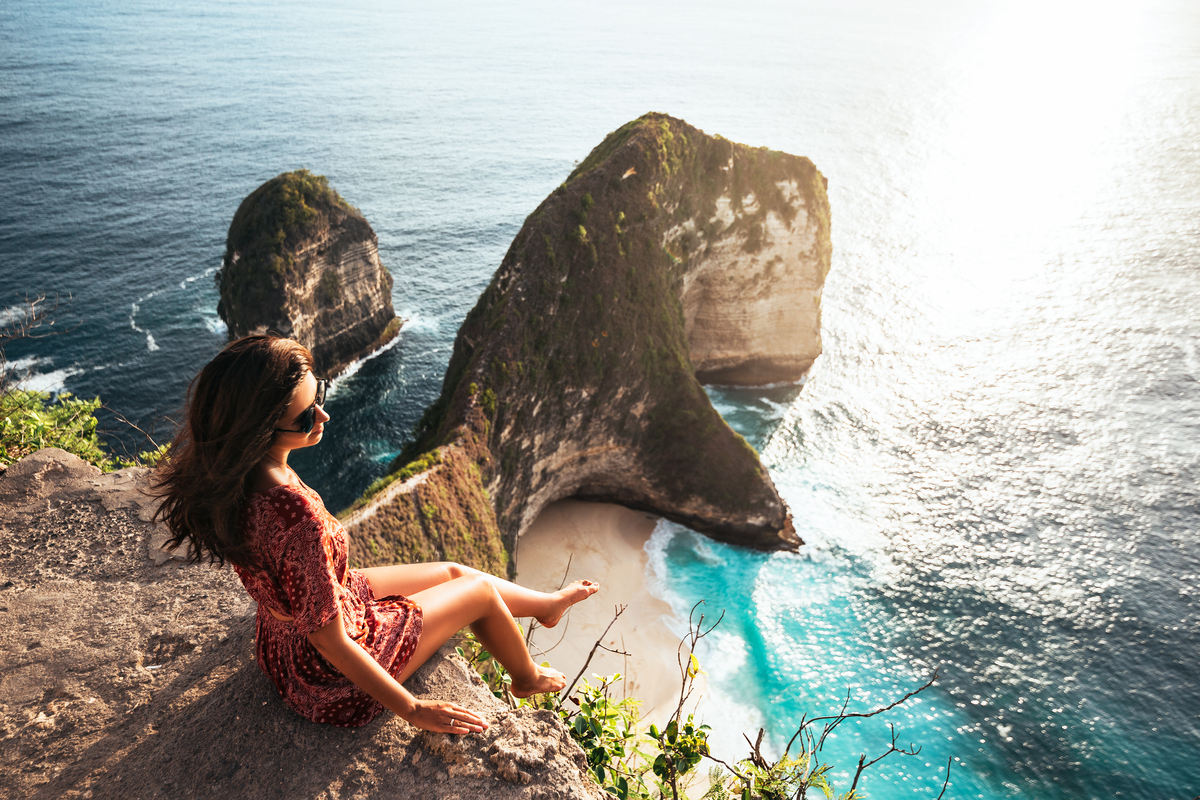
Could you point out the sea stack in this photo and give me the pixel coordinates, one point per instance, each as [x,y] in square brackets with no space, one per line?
[666,258]
[302,261]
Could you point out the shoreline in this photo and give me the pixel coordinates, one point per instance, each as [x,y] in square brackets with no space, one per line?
[605,543]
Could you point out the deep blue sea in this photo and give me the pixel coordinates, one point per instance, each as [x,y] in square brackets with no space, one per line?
[995,462]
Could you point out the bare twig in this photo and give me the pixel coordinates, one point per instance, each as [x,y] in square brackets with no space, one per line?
[33,314]
[695,633]
[21,322]
[841,717]
[533,624]
[121,417]
[619,611]
[756,757]
[803,725]
[946,782]
[911,751]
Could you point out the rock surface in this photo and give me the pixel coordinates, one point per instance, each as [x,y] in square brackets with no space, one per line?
[668,256]
[125,673]
[302,261]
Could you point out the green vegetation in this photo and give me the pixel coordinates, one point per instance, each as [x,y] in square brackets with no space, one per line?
[425,462]
[629,761]
[32,420]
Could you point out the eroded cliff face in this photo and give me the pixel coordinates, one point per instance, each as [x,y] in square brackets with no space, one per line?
[302,261]
[752,290]
[668,256]
[126,673]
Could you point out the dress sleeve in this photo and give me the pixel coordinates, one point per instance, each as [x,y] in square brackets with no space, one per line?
[306,574]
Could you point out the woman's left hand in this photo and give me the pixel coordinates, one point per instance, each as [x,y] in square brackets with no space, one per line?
[443,717]
[355,663]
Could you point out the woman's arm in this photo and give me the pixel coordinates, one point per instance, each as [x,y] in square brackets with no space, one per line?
[357,664]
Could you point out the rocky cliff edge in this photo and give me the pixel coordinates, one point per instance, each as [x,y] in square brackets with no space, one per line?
[126,673]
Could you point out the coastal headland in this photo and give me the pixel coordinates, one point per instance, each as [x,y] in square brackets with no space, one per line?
[127,673]
[666,257]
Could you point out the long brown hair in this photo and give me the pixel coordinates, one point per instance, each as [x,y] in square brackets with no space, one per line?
[233,408]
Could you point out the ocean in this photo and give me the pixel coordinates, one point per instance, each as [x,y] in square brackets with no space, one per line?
[994,463]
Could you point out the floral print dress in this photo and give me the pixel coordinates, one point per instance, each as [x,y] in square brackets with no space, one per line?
[301,574]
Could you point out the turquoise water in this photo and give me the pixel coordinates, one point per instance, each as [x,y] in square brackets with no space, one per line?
[994,463]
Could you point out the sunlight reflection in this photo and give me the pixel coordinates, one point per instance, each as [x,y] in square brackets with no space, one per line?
[1040,90]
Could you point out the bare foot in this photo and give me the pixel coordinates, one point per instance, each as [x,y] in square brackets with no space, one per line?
[567,597]
[548,680]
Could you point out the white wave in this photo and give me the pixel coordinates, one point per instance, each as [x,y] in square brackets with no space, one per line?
[416,321]
[21,365]
[356,365]
[192,279]
[23,373]
[53,382]
[725,654]
[151,345]
[656,563]
[13,314]
[216,325]
[720,653]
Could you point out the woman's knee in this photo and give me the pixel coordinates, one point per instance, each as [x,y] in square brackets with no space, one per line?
[456,570]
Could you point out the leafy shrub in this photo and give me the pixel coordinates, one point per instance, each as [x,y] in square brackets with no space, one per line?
[655,764]
[31,420]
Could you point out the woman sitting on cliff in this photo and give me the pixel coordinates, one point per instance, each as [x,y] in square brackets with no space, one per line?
[337,642]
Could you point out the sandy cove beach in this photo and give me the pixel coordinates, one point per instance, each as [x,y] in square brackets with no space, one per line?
[604,543]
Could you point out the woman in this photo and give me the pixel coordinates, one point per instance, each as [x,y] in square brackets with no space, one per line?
[337,642]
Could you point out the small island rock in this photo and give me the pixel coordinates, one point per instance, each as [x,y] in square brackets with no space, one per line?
[302,261]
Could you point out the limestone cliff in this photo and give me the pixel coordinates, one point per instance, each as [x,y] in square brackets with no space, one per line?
[125,673]
[667,255]
[302,261]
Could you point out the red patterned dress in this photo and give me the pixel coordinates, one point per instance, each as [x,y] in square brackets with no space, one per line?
[301,573]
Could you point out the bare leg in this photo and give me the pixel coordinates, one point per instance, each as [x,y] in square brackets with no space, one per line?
[409,579]
[473,600]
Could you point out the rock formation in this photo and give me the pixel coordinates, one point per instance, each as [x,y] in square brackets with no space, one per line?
[125,673]
[666,257]
[302,261]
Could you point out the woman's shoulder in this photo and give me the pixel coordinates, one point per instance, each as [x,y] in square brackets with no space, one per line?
[290,504]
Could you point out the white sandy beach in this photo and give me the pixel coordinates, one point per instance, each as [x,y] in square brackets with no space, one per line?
[604,543]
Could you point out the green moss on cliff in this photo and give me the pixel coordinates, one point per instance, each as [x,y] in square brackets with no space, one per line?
[447,516]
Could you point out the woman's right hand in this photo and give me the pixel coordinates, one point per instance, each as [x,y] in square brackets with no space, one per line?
[443,717]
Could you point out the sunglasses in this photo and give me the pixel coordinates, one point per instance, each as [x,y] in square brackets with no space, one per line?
[308,418]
